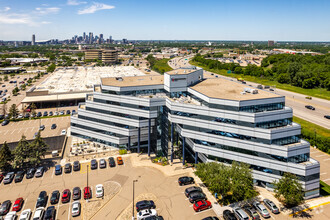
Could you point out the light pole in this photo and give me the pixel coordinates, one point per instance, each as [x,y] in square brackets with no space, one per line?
[87,179]
[134,181]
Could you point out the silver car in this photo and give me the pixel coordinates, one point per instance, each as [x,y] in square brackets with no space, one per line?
[75,209]
[39,172]
[240,214]
[271,206]
[261,209]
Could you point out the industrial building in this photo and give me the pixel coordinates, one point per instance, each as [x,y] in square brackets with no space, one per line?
[204,120]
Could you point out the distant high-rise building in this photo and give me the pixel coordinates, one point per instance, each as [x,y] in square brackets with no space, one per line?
[125,41]
[270,43]
[84,36]
[101,38]
[33,42]
[110,40]
[90,37]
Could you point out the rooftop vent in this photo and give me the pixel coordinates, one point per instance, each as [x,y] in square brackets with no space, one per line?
[119,78]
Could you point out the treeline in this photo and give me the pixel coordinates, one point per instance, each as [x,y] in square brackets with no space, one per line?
[303,71]
[159,66]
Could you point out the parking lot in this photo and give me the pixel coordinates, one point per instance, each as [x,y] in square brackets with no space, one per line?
[324,160]
[14,130]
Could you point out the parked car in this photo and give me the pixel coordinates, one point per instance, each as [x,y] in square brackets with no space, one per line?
[53,126]
[202,205]
[76,209]
[76,193]
[45,113]
[261,209]
[11,216]
[251,212]
[76,166]
[56,113]
[145,204]
[103,163]
[19,176]
[192,190]
[66,194]
[73,112]
[25,215]
[112,162]
[240,214]
[4,123]
[93,164]
[58,169]
[5,207]
[63,132]
[68,112]
[50,213]
[27,115]
[42,199]
[327,116]
[67,168]
[228,215]
[196,196]
[309,107]
[30,173]
[185,180]
[143,214]
[211,218]
[39,114]
[39,213]
[9,178]
[61,113]
[99,191]
[120,161]
[271,206]
[39,172]
[87,192]
[55,197]
[50,113]
[18,204]
[42,127]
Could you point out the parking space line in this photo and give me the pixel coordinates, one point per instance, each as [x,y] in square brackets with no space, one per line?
[322,173]
[327,179]
[323,155]
[326,159]
[24,204]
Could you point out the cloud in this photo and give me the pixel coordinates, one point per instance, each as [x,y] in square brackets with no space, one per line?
[75,2]
[46,22]
[46,11]
[6,9]
[94,8]
[15,19]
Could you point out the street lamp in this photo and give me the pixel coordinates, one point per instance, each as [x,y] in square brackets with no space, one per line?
[87,179]
[134,181]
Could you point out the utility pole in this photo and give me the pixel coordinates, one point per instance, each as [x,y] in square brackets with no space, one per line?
[133,206]
[87,178]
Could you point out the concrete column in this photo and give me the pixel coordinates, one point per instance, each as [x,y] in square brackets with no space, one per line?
[129,143]
[172,139]
[149,126]
[177,138]
[139,134]
[196,157]
[183,150]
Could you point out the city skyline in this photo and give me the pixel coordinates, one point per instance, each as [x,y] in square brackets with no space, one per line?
[148,20]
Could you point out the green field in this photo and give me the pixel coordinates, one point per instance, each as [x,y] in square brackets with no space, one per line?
[161,66]
[324,189]
[319,92]
[320,131]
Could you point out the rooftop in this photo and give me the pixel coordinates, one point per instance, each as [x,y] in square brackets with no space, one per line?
[146,80]
[180,71]
[220,88]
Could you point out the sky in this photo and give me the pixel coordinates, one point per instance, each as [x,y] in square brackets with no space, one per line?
[279,20]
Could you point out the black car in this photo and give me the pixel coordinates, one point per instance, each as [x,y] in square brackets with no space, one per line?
[2,117]
[76,166]
[51,113]
[39,114]
[228,215]
[50,213]
[19,176]
[45,114]
[68,112]
[27,115]
[30,173]
[185,180]
[145,204]
[67,168]
[42,199]
[154,218]
[196,196]
[251,212]
[309,107]
[55,197]
[5,122]
[53,126]
[327,116]
[93,164]
[76,193]
[112,162]
[211,218]
[42,127]
[4,209]
[192,189]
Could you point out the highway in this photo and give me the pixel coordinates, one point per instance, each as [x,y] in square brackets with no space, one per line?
[294,100]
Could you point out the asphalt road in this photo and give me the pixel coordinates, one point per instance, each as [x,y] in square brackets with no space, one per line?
[294,100]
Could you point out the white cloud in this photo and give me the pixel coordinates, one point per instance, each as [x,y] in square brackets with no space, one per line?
[46,22]
[75,2]
[94,8]
[45,11]
[16,19]
[6,9]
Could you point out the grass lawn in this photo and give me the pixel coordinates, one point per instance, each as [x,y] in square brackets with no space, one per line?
[324,189]
[161,66]
[319,92]
[321,131]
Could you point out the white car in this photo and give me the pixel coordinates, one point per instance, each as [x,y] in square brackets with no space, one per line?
[146,213]
[75,209]
[99,191]
[63,132]
[20,116]
[39,213]
[25,214]
[55,113]
[11,216]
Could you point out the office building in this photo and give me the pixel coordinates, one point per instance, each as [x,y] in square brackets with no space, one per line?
[90,38]
[33,42]
[109,56]
[93,54]
[209,119]
[270,43]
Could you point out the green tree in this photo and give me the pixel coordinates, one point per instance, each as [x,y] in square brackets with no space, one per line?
[51,68]
[21,153]
[38,149]
[5,157]
[5,78]
[289,190]
[13,111]
[33,108]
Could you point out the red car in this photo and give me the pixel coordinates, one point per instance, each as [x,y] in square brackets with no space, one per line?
[202,205]
[18,204]
[87,193]
[66,196]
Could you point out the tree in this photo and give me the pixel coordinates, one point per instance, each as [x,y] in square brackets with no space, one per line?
[21,153]
[13,111]
[51,68]
[38,149]
[289,190]
[33,108]
[5,157]
[6,78]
